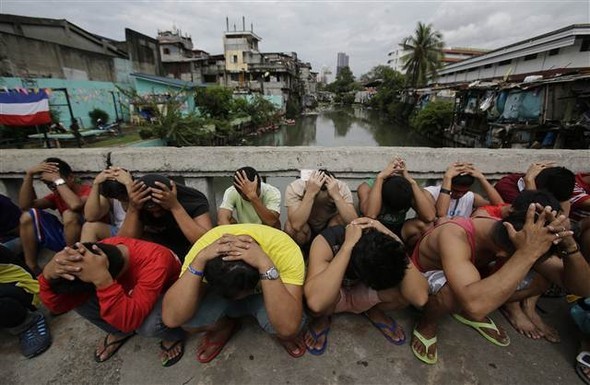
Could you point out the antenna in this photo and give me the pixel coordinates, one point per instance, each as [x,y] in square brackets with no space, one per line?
[243,23]
[227,24]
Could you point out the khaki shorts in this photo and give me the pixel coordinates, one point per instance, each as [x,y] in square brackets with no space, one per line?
[356,299]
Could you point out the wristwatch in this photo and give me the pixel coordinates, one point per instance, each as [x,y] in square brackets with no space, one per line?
[271,274]
[59,182]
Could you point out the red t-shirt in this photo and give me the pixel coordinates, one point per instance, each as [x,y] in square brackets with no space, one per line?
[508,188]
[580,195]
[151,270]
[60,204]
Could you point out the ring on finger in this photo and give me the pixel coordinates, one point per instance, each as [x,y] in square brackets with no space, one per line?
[556,235]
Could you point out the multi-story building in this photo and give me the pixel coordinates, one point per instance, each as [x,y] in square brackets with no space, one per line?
[450,55]
[341,62]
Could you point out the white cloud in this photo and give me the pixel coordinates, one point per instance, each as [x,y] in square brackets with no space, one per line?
[318,30]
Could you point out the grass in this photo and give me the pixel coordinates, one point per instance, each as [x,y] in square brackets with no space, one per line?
[115,141]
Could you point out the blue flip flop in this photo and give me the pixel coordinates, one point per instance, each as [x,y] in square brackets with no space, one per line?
[316,336]
[387,327]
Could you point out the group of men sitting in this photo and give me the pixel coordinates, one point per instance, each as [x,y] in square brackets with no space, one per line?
[141,256]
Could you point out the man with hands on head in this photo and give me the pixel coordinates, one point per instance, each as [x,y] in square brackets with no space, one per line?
[452,254]
[391,194]
[234,271]
[166,213]
[108,200]
[362,268]
[315,204]
[117,285]
[40,228]
[252,200]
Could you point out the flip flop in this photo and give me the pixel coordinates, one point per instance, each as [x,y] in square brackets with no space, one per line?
[316,336]
[383,328]
[117,344]
[206,343]
[427,342]
[299,344]
[581,373]
[479,326]
[167,362]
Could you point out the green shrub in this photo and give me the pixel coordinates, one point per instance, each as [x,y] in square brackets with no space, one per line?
[96,114]
[433,118]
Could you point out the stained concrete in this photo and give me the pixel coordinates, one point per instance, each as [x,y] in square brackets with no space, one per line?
[356,354]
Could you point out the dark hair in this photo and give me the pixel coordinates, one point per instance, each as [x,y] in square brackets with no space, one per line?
[150,181]
[113,189]
[464,180]
[329,173]
[396,193]
[64,169]
[378,260]
[500,233]
[250,172]
[559,181]
[526,197]
[116,263]
[230,278]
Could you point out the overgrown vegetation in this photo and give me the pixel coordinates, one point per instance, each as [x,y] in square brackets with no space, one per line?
[221,119]
[96,114]
[434,118]
[344,87]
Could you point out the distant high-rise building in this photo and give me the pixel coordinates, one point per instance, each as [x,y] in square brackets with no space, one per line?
[341,62]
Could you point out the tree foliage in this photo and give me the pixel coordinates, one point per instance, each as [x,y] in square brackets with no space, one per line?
[434,118]
[423,55]
[215,102]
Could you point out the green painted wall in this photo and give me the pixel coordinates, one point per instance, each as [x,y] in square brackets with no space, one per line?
[147,87]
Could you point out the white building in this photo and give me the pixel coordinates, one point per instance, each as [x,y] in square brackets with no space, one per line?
[562,51]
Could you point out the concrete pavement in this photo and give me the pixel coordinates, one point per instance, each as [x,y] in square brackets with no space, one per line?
[356,354]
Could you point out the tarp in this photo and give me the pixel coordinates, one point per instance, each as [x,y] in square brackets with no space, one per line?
[21,108]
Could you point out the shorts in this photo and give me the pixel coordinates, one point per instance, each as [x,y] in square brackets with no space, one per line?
[356,299]
[214,306]
[436,280]
[49,231]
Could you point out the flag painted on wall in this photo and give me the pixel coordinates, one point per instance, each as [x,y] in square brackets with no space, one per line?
[24,109]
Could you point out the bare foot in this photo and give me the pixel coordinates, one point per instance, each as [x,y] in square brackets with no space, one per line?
[520,321]
[428,331]
[319,326]
[549,332]
[378,318]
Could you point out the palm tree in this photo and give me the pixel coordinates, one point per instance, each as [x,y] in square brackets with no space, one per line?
[424,54]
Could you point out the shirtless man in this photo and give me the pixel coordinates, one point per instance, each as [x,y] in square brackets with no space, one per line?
[452,252]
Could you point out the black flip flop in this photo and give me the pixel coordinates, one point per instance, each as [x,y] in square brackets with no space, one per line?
[169,362]
[117,344]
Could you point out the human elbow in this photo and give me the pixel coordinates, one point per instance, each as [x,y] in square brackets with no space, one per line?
[475,311]
[315,305]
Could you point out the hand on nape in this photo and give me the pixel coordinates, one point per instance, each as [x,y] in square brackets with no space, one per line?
[64,264]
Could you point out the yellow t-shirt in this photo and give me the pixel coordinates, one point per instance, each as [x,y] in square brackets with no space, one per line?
[280,248]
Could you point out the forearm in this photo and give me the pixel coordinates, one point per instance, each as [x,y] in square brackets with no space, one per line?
[322,290]
[346,210]
[425,210]
[26,195]
[299,216]
[575,274]
[483,297]
[73,201]
[375,201]
[283,309]
[442,205]
[132,226]
[182,300]
[192,231]
[268,217]
[93,209]
[492,194]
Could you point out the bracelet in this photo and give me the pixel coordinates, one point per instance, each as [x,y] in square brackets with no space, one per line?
[565,253]
[445,191]
[194,271]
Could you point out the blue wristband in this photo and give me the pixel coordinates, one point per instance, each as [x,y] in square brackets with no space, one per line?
[194,271]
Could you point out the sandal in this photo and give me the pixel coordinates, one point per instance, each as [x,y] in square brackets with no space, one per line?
[297,343]
[106,345]
[166,361]
[206,343]
[392,327]
[316,336]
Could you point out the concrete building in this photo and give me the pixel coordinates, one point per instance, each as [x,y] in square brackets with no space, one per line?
[450,55]
[566,50]
[341,62]
[32,47]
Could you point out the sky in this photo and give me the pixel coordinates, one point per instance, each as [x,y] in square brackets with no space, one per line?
[318,29]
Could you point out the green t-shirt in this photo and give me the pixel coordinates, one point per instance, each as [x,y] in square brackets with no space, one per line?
[245,213]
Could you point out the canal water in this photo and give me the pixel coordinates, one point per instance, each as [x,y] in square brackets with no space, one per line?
[350,126]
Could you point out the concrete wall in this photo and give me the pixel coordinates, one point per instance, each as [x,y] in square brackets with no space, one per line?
[202,167]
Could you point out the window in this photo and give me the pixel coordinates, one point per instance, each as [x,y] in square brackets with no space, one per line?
[530,57]
[166,51]
[554,51]
[505,62]
[235,59]
[487,66]
[585,45]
